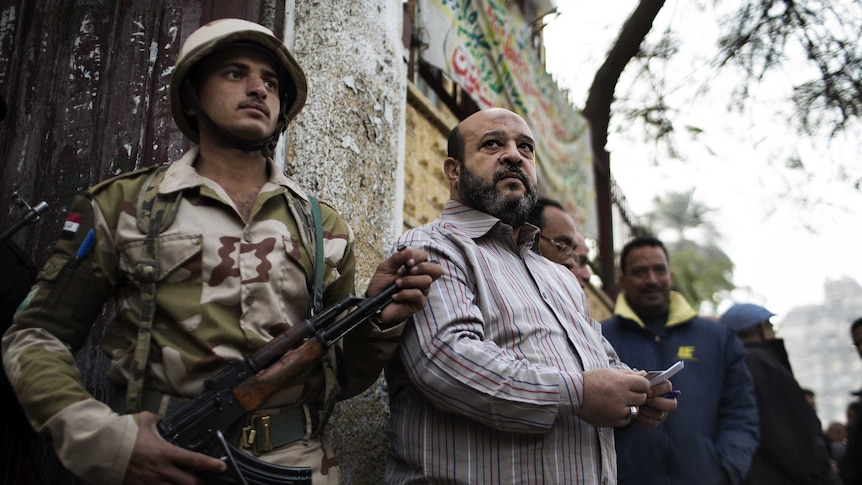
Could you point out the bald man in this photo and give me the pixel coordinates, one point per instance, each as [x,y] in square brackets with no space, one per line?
[503,377]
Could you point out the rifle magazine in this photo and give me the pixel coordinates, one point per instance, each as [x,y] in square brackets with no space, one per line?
[244,469]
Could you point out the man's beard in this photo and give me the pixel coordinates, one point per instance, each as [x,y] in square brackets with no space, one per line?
[483,195]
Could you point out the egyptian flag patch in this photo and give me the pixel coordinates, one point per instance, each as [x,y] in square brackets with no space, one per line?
[73,222]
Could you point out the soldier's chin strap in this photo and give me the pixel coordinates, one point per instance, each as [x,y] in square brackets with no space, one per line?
[229,138]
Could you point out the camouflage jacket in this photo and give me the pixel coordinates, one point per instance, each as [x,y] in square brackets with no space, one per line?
[226,287]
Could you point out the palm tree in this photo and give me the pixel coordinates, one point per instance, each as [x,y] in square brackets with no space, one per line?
[702,271]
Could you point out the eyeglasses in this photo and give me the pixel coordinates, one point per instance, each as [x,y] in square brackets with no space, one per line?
[566,251]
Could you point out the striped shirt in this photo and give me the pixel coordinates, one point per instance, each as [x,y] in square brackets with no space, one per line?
[488,379]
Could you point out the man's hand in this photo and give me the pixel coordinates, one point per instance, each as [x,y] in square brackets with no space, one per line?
[409,269]
[609,395]
[656,408]
[154,460]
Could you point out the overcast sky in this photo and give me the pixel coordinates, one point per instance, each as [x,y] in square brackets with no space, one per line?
[783,251]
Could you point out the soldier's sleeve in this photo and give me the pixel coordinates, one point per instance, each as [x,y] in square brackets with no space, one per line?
[51,324]
[338,246]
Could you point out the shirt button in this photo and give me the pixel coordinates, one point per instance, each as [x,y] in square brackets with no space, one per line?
[249,300]
[605,481]
[247,238]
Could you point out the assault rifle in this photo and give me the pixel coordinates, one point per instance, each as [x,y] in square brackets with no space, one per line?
[31,214]
[243,385]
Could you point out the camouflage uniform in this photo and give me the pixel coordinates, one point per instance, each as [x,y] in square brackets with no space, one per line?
[227,286]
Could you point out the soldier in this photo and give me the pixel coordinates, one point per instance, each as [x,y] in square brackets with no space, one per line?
[207,259]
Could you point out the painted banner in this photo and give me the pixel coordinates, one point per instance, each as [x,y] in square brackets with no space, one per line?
[485,46]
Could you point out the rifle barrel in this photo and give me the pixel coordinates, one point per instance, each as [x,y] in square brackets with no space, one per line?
[31,215]
[292,337]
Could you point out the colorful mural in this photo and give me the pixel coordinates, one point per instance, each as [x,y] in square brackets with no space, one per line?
[485,47]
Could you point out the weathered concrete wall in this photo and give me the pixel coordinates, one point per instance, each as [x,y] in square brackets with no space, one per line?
[347,146]
[359,425]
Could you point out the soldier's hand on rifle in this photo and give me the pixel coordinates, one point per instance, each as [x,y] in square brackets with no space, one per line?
[413,274]
[154,460]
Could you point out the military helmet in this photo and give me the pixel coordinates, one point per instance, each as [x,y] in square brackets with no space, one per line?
[226,32]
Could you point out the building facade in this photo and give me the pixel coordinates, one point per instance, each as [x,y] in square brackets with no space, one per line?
[85,90]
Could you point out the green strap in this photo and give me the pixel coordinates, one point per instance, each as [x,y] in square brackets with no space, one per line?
[330,378]
[311,232]
[155,213]
[317,290]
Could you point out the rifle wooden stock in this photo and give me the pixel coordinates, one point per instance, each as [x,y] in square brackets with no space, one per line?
[256,389]
[244,385]
[292,337]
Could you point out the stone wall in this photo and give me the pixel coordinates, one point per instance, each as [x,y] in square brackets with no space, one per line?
[358,425]
[347,146]
[426,133]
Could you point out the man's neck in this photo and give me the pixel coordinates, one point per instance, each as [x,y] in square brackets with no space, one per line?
[516,231]
[231,166]
[655,322]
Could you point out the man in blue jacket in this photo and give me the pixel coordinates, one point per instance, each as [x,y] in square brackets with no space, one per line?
[711,437]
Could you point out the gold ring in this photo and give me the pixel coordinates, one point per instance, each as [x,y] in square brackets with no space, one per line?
[633,411]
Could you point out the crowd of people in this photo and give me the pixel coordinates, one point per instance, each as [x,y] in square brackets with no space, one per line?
[496,371]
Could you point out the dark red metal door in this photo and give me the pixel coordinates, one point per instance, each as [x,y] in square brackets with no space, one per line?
[84,85]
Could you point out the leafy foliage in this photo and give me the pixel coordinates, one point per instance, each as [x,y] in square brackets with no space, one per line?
[702,271]
[679,211]
[759,35]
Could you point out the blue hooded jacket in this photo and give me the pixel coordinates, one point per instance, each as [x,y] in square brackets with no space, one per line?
[712,435]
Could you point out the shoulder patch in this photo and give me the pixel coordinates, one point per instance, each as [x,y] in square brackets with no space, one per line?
[125,175]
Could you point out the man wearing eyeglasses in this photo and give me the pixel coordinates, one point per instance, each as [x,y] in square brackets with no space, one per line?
[850,465]
[559,240]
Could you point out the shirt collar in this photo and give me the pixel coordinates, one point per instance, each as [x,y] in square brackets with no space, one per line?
[679,310]
[476,224]
[182,175]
